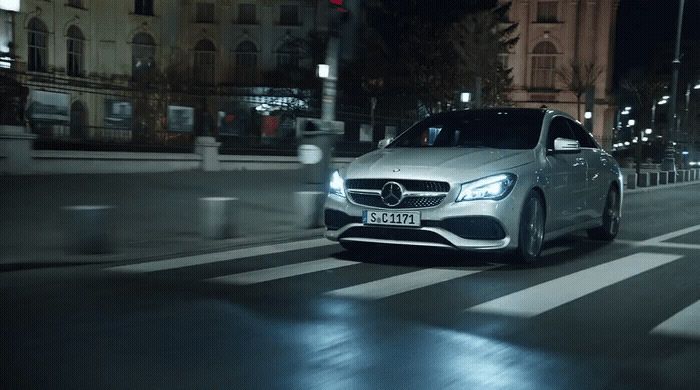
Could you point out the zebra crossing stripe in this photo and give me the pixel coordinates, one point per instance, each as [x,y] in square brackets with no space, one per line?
[285,271]
[398,284]
[685,323]
[163,265]
[546,296]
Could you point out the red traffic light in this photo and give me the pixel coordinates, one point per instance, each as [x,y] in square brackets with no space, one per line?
[339,5]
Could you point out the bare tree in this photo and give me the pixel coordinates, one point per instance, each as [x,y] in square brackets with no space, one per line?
[645,88]
[579,78]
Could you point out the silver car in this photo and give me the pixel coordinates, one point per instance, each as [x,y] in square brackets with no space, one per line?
[480,180]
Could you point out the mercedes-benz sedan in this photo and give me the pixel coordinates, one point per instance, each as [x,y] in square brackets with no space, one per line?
[482,180]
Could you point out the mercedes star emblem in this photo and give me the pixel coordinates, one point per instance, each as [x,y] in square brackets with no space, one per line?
[392,193]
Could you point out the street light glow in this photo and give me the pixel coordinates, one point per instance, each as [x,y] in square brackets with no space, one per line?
[647,131]
[627,143]
[697,86]
[663,101]
[465,97]
[665,97]
[631,122]
[645,139]
[588,115]
[625,112]
[323,71]
[628,108]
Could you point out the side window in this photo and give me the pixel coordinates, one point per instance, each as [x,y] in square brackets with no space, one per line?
[558,128]
[583,137]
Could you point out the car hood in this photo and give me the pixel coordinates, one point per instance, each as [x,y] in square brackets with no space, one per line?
[448,164]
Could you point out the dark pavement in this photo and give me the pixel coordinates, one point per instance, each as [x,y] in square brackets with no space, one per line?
[308,315]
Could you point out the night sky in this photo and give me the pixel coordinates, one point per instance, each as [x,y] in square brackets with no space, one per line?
[643,24]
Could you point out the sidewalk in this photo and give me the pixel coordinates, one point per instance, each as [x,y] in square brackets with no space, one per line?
[155,215]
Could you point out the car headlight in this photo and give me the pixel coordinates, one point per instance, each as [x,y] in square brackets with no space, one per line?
[337,185]
[493,187]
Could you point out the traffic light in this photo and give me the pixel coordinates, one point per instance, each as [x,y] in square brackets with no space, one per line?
[338,5]
[338,15]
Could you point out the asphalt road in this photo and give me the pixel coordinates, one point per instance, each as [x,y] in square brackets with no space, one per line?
[307,315]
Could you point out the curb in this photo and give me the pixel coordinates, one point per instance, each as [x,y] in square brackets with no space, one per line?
[660,187]
[63,260]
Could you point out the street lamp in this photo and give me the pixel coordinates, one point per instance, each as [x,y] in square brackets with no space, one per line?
[323,71]
[647,131]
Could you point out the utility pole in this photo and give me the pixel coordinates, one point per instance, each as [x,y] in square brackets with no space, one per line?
[330,83]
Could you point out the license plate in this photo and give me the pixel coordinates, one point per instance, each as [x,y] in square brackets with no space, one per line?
[408,218]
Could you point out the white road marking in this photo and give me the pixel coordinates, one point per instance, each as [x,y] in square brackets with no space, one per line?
[398,284]
[546,296]
[668,236]
[673,245]
[685,323]
[162,265]
[285,271]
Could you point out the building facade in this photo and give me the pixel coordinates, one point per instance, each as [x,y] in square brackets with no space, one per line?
[554,35]
[84,61]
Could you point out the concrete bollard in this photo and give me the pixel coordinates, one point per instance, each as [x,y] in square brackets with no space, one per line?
[308,207]
[632,181]
[653,179]
[691,172]
[87,229]
[663,178]
[643,180]
[672,177]
[686,175]
[218,217]
[680,177]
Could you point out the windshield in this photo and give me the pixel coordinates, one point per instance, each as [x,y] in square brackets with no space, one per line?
[501,129]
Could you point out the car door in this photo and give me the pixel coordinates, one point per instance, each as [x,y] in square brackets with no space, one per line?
[568,176]
[597,185]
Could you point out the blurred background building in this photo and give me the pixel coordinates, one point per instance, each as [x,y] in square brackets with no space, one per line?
[564,59]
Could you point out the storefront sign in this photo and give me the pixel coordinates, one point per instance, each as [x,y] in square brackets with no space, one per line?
[118,114]
[180,119]
[48,107]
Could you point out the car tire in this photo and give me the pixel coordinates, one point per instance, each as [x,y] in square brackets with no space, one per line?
[531,229]
[610,224]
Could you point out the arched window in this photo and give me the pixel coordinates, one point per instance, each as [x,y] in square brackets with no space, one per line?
[246,62]
[204,61]
[143,56]
[36,44]
[288,56]
[544,61]
[78,120]
[75,50]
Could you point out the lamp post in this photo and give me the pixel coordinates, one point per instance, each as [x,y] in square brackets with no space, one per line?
[690,133]
[669,163]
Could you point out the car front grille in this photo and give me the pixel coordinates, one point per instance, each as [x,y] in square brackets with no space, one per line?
[410,185]
[413,202]
[437,192]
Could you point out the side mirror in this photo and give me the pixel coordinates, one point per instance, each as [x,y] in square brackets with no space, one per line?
[383,143]
[565,145]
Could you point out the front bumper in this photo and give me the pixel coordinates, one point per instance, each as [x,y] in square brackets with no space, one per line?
[483,225]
